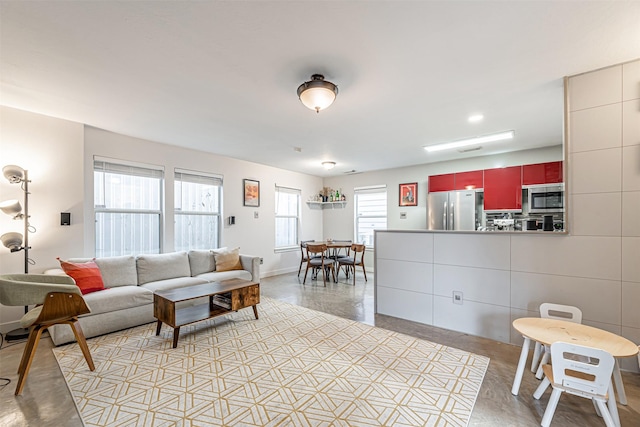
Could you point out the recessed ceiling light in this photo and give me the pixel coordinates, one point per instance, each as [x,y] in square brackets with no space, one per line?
[475,118]
[471,141]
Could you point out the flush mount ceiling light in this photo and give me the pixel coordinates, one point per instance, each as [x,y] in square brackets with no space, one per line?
[317,94]
[471,141]
[328,165]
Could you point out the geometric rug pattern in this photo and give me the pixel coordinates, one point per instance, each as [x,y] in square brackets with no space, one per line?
[292,367]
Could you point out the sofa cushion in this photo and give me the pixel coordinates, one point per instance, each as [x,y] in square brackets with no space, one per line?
[118,298]
[154,267]
[227,260]
[201,261]
[86,275]
[116,271]
[175,283]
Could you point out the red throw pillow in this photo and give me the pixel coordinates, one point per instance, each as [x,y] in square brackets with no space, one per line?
[86,274]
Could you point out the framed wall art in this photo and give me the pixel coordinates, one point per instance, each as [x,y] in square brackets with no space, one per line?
[409,194]
[251,192]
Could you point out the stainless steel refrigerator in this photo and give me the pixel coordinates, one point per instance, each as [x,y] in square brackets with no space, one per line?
[451,210]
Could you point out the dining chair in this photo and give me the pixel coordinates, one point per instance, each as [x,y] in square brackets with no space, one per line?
[303,253]
[317,260]
[351,262]
[58,301]
[552,311]
[581,371]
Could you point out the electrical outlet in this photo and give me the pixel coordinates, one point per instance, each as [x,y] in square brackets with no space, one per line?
[255,214]
[261,261]
[457,297]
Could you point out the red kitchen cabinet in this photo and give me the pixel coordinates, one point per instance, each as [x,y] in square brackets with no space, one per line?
[542,173]
[503,189]
[469,180]
[444,182]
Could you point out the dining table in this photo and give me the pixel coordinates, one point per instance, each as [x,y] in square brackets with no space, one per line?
[548,331]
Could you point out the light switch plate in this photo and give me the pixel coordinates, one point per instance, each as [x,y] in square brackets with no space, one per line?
[457,297]
[255,214]
[403,215]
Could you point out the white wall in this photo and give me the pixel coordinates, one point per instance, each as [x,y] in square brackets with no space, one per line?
[339,223]
[59,157]
[51,150]
[507,276]
[253,236]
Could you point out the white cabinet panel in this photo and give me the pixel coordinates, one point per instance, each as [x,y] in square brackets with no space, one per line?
[596,171]
[596,128]
[476,284]
[631,168]
[407,305]
[596,88]
[631,259]
[579,256]
[631,122]
[473,250]
[484,320]
[405,246]
[410,276]
[599,214]
[599,300]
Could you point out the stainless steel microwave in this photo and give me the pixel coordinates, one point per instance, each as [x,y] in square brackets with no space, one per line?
[546,199]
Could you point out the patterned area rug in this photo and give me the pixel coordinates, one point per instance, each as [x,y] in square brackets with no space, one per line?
[292,367]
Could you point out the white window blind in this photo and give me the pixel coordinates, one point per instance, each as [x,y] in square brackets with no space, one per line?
[370,212]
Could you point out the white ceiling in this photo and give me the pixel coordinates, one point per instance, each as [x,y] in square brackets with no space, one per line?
[221,76]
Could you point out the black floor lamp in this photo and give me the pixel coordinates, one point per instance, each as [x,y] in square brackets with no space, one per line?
[14,241]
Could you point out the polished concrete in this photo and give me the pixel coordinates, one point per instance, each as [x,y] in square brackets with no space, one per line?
[46,400]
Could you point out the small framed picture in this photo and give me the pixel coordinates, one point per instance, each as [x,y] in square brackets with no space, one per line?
[251,192]
[409,194]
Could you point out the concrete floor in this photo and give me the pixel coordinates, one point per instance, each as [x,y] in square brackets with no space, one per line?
[46,400]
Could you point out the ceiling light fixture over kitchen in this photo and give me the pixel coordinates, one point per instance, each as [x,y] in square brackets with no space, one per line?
[317,94]
[471,141]
[329,165]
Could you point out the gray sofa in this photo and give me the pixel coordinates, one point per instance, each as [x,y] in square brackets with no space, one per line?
[130,282]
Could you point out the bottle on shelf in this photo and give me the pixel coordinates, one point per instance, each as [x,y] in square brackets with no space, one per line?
[337,198]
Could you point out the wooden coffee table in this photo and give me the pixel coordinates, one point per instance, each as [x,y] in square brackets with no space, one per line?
[238,293]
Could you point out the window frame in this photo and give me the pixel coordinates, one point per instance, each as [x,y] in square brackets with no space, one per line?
[125,168]
[357,216]
[196,177]
[298,192]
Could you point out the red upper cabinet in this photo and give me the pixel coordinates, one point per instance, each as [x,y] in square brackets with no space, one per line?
[441,182]
[469,180]
[503,189]
[542,173]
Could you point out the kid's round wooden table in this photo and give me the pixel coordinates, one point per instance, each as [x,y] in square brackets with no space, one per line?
[548,331]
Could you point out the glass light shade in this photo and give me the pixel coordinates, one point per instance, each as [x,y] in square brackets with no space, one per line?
[11,240]
[11,207]
[317,98]
[13,173]
[329,165]
[317,94]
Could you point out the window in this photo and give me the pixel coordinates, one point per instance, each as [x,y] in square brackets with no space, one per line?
[127,203]
[197,210]
[370,212]
[287,217]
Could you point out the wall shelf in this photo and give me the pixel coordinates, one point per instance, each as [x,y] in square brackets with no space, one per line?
[327,205]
